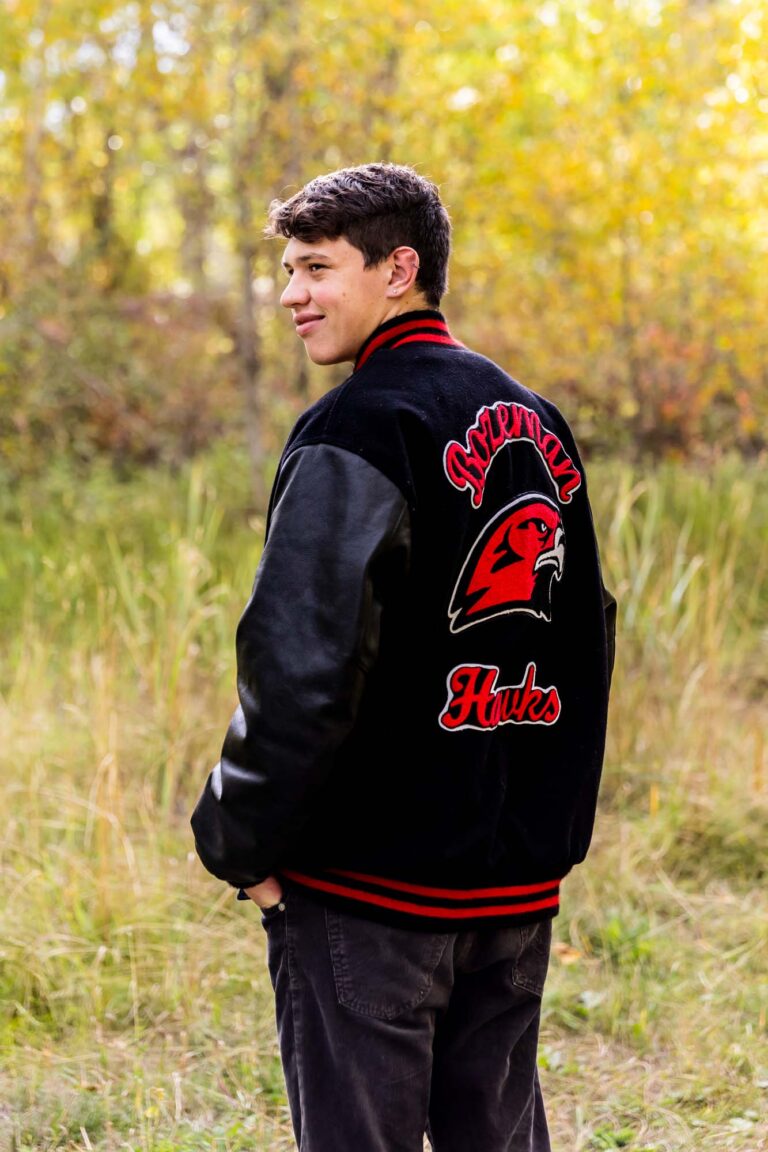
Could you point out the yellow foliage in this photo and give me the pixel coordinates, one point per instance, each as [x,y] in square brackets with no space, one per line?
[604,162]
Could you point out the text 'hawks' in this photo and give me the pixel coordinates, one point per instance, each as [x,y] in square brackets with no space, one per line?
[466,465]
[474,701]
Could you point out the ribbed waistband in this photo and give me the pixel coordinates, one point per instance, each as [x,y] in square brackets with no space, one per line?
[421,901]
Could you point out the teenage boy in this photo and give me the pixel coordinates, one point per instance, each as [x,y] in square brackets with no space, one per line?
[423,673]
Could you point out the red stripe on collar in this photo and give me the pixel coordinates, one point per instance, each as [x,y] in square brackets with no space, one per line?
[429,338]
[414,327]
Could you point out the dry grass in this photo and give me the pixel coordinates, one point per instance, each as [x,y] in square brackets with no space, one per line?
[135,1006]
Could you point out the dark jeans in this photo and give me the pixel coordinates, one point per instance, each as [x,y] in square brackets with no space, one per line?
[386,1033]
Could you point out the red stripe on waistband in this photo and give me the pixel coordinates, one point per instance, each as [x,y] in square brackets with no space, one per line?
[448,893]
[429,910]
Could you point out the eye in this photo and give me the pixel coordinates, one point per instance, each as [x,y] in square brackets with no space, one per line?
[316,267]
[539,526]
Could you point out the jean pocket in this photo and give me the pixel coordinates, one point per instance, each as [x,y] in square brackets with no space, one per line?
[274,912]
[533,959]
[378,970]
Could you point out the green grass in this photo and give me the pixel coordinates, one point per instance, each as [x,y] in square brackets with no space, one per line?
[135,1010]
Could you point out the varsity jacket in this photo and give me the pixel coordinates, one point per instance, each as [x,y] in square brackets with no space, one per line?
[424,663]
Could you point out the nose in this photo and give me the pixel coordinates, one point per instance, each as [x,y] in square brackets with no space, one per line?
[294,293]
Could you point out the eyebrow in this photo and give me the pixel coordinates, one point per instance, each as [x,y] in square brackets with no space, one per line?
[307,259]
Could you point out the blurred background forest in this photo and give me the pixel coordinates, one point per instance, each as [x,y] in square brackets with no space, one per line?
[605,163]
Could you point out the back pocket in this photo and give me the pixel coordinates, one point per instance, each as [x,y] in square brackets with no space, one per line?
[378,970]
[533,959]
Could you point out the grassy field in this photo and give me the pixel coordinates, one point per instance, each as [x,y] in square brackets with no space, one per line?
[134,1005]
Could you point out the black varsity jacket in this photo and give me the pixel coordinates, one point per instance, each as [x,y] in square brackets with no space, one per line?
[425,660]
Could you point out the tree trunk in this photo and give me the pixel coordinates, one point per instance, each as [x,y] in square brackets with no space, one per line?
[32,243]
[242,164]
[249,354]
[194,201]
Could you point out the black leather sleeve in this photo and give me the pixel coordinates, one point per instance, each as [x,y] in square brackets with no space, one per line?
[305,642]
[610,608]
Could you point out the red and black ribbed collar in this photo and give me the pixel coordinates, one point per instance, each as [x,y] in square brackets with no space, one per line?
[426,326]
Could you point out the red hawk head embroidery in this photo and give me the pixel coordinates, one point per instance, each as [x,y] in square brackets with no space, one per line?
[512,564]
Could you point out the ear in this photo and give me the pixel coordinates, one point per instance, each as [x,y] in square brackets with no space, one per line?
[404,268]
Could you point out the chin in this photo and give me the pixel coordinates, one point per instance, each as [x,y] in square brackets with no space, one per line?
[327,357]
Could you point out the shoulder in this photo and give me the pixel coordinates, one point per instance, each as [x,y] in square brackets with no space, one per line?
[520,393]
[315,420]
[362,407]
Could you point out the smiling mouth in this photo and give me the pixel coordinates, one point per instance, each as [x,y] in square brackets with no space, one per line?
[304,327]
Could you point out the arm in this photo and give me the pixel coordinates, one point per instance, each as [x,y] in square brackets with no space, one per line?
[305,643]
[609,606]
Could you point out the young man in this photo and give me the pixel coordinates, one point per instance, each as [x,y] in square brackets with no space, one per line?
[423,672]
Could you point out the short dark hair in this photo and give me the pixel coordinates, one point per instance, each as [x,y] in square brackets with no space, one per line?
[376,208]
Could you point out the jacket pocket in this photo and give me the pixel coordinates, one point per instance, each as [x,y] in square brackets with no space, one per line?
[378,970]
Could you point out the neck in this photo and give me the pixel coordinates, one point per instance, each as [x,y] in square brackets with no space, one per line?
[411,302]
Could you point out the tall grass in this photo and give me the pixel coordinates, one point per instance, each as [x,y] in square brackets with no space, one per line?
[688,557]
[134,1009]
